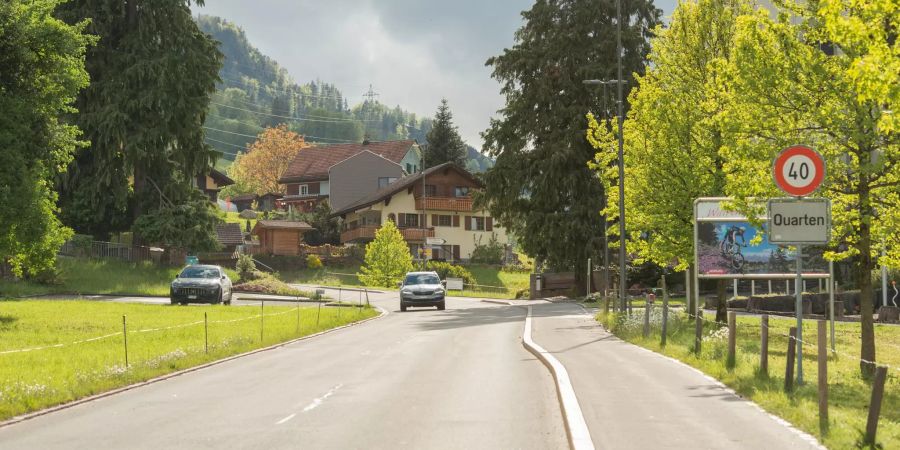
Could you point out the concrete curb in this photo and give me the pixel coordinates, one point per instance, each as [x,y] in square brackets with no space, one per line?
[499,302]
[808,438]
[576,428]
[60,407]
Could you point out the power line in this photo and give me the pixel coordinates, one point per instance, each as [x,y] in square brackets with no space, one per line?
[286,117]
[288,112]
[263,128]
[244,84]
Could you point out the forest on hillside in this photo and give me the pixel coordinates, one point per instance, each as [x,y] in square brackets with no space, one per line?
[256,92]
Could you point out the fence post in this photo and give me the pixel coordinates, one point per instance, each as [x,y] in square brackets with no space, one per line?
[206,331]
[367,296]
[732,339]
[647,316]
[665,315]
[823,376]
[875,404]
[789,368]
[698,332]
[764,345]
[262,308]
[319,313]
[125,337]
[298,315]
[606,305]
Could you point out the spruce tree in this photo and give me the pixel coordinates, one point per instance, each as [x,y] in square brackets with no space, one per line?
[152,75]
[444,143]
[541,188]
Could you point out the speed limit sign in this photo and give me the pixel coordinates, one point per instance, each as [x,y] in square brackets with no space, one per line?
[799,170]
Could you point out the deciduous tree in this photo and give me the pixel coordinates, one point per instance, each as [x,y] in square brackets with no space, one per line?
[259,170]
[387,258]
[789,86]
[41,72]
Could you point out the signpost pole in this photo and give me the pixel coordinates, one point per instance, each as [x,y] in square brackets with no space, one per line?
[831,300]
[799,308]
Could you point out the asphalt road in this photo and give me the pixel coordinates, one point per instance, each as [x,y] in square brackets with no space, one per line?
[458,378]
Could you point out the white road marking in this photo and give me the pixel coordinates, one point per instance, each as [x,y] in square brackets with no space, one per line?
[315,403]
[285,419]
[576,427]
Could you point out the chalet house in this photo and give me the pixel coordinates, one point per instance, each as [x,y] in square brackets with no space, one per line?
[243,201]
[229,236]
[265,202]
[308,179]
[212,183]
[444,211]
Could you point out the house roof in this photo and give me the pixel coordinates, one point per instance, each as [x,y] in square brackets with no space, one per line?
[229,234]
[275,195]
[243,197]
[400,185]
[312,164]
[281,225]
[220,178]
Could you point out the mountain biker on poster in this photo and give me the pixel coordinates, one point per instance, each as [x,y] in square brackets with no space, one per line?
[730,247]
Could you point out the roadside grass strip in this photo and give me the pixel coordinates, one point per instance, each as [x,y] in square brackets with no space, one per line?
[848,393]
[54,352]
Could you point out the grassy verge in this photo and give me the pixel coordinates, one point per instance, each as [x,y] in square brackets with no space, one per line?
[848,395]
[38,379]
[83,276]
[494,282]
[234,217]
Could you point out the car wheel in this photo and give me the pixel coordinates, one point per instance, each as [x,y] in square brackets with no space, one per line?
[441,306]
[173,301]
[230,295]
[402,308]
[221,299]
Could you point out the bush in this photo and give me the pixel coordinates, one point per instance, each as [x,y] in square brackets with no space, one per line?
[313,262]
[523,294]
[446,270]
[268,284]
[246,269]
[490,253]
[517,268]
[82,244]
[387,258]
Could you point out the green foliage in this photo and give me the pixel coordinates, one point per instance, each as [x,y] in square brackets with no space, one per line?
[326,229]
[387,258]
[246,268]
[541,188]
[265,283]
[42,61]
[313,262]
[189,226]
[446,270]
[152,74]
[490,253]
[444,143]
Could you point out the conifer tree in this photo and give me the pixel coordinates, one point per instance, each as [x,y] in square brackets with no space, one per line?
[444,143]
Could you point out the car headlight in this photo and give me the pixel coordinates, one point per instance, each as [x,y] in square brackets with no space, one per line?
[439,291]
[406,291]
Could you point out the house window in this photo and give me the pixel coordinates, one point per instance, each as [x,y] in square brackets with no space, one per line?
[384,181]
[304,190]
[461,191]
[478,223]
[430,190]
[409,168]
[445,221]
[408,221]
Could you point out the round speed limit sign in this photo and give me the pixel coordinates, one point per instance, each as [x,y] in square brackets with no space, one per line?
[799,170]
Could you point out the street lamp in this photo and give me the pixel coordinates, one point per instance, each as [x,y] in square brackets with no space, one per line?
[621,161]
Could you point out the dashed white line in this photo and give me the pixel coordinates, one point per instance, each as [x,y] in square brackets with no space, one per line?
[315,403]
[285,419]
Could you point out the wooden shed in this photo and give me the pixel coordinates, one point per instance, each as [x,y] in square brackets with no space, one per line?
[280,237]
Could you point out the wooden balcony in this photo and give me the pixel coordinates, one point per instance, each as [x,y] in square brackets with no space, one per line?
[367,233]
[445,203]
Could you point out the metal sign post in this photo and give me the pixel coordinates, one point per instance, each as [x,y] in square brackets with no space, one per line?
[799,171]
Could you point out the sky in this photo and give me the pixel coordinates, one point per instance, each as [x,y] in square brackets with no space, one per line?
[412,52]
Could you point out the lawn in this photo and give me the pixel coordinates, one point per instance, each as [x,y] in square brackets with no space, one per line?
[45,377]
[83,276]
[234,217]
[848,395]
[490,280]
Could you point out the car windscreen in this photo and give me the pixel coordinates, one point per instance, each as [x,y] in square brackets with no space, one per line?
[199,272]
[421,279]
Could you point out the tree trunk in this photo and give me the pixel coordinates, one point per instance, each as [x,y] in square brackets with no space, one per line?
[866,306]
[721,303]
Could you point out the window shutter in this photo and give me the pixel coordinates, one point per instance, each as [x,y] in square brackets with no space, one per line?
[456,252]
[456,221]
[489,224]
[423,221]
[468,223]
[401,220]
[434,220]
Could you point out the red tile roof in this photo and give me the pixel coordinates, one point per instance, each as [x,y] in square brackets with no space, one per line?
[312,163]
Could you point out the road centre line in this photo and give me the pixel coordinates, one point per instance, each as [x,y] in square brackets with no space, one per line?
[285,419]
[315,403]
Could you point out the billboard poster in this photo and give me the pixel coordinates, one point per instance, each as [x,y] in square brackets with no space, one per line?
[724,248]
